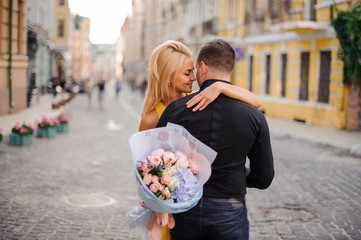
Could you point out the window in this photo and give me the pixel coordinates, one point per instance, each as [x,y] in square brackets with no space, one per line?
[283,74]
[324,77]
[305,65]
[61,28]
[250,75]
[268,73]
[61,2]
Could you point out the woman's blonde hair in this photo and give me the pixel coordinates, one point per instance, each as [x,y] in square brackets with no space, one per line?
[164,64]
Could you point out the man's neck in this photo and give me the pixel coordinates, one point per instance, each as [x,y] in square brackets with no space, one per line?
[218,75]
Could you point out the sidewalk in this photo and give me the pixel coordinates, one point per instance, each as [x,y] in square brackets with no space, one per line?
[279,128]
[41,106]
[332,137]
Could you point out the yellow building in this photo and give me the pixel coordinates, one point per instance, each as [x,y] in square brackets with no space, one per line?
[13,59]
[80,48]
[61,60]
[287,54]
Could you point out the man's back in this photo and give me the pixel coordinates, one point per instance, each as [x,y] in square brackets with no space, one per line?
[234,130]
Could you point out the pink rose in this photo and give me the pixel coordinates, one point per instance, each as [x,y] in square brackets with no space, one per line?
[147,179]
[180,154]
[144,167]
[193,166]
[154,187]
[155,179]
[165,179]
[157,152]
[22,130]
[161,187]
[155,160]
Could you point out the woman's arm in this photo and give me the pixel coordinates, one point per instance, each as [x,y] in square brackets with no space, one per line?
[149,121]
[209,94]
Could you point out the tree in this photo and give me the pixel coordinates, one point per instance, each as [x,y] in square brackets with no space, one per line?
[348,29]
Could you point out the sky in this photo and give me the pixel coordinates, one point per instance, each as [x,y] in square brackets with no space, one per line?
[106,17]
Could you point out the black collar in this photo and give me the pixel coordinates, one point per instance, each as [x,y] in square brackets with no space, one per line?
[209,82]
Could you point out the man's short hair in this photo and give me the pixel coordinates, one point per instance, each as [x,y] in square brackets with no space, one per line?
[217,54]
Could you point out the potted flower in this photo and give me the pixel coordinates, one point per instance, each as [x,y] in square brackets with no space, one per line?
[63,125]
[22,134]
[1,135]
[47,127]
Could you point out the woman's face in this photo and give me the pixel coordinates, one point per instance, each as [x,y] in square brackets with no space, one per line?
[185,77]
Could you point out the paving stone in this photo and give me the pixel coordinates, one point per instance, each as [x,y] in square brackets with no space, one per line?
[316,192]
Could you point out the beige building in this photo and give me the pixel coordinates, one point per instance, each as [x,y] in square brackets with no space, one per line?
[61,49]
[13,59]
[155,21]
[80,48]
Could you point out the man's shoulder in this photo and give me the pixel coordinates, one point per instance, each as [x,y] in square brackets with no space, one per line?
[182,101]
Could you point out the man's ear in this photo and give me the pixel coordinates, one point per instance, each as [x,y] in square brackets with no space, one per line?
[204,68]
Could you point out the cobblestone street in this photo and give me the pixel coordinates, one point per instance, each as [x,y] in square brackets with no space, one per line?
[81,184]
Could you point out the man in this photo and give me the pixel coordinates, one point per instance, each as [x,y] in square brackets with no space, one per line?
[235,130]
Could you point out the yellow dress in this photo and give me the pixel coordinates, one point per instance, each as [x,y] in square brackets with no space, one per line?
[159,107]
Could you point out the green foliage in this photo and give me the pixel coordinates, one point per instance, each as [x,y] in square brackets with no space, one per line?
[348,29]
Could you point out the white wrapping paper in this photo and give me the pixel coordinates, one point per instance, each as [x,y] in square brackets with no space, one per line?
[171,138]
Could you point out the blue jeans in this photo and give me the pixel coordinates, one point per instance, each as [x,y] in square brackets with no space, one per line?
[214,220]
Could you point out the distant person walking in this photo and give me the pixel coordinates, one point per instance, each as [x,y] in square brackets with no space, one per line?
[89,91]
[101,87]
[118,87]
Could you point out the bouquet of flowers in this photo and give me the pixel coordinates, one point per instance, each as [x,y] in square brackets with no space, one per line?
[170,176]
[173,154]
[171,167]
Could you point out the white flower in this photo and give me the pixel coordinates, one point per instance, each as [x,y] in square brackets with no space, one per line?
[182,162]
[173,183]
[168,157]
[171,171]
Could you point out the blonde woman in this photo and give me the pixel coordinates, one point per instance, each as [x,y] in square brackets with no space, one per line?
[171,77]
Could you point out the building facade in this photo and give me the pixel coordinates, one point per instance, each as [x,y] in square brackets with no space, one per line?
[40,44]
[287,54]
[155,21]
[61,49]
[80,48]
[13,55]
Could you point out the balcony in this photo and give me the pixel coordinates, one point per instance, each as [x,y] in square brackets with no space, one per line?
[298,16]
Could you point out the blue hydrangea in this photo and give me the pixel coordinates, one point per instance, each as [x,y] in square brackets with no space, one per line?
[187,186]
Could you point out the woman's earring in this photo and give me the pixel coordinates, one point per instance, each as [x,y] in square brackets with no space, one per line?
[168,84]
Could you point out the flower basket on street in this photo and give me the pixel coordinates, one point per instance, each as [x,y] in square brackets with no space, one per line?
[63,125]
[22,135]
[1,135]
[47,127]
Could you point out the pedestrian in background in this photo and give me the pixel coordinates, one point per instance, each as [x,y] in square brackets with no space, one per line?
[101,92]
[118,87]
[89,91]
[235,130]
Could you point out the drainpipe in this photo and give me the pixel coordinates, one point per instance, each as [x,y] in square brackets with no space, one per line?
[11,104]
